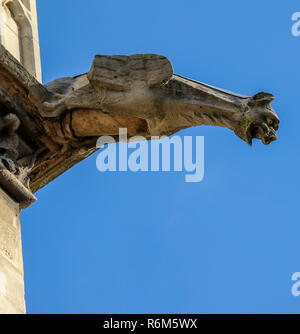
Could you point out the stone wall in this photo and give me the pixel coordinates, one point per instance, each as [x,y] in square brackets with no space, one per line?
[19,33]
[12,298]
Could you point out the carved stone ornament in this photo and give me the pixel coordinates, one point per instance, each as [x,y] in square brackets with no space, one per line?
[45,130]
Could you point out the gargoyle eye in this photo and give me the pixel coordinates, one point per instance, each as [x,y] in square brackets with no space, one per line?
[270,122]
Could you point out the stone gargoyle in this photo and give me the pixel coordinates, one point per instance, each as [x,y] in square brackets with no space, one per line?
[61,121]
[141,93]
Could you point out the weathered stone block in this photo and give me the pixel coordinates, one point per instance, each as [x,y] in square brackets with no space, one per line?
[11,260]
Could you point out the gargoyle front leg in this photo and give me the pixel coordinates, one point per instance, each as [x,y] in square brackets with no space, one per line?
[48,103]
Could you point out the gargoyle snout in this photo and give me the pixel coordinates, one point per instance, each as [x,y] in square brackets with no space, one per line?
[269,134]
[266,133]
[269,138]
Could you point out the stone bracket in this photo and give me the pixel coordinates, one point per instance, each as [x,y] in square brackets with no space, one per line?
[16,189]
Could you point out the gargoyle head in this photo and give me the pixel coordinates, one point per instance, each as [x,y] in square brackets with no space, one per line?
[259,120]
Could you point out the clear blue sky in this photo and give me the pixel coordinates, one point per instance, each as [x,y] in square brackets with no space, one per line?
[149,242]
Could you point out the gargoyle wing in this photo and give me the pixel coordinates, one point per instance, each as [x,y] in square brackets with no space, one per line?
[120,72]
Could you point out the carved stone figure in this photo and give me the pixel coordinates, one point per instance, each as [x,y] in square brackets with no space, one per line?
[141,92]
[61,121]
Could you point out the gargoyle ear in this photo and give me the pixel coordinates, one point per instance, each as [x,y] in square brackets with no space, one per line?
[119,72]
[262,98]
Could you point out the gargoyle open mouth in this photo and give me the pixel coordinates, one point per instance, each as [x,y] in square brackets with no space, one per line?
[265,131]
